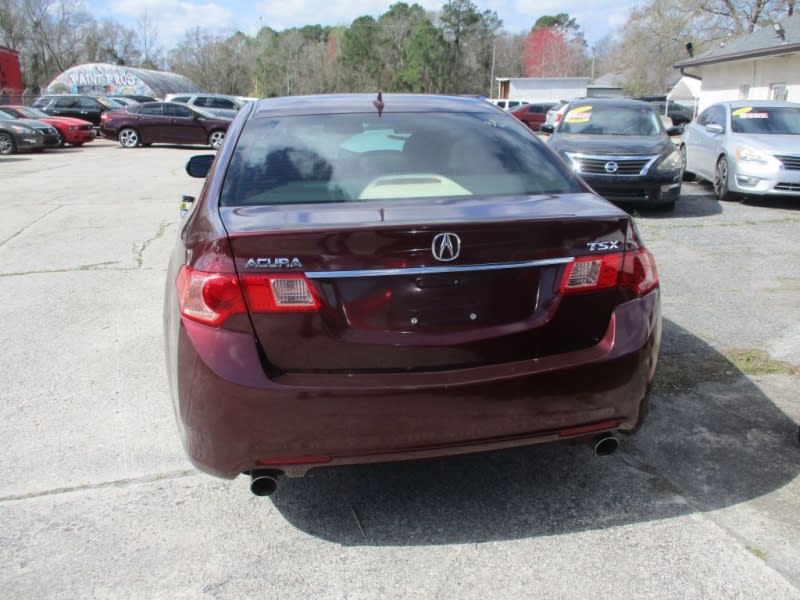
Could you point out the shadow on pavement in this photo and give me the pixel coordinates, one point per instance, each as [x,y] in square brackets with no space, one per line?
[782,202]
[687,207]
[712,439]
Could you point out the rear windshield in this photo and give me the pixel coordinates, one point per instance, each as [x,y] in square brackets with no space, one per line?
[611,120]
[363,157]
[770,119]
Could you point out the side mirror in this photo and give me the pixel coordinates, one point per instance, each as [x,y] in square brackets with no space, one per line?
[674,130]
[198,166]
[714,128]
[547,129]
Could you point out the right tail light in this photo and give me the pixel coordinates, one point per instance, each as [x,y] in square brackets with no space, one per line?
[635,270]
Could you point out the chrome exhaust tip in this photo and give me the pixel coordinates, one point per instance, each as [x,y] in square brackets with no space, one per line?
[264,483]
[605,445]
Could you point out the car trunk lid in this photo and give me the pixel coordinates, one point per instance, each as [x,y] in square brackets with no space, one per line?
[406,287]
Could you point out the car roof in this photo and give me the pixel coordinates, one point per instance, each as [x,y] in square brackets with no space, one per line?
[364,103]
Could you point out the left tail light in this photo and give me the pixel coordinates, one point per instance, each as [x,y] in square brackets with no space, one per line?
[212,298]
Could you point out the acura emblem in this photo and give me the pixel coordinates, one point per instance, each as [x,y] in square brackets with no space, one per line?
[611,167]
[446,246]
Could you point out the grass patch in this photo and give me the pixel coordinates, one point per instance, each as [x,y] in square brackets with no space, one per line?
[757,362]
[680,372]
[758,552]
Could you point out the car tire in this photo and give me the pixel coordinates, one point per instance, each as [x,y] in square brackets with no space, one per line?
[7,144]
[128,137]
[721,190]
[216,138]
[687,175]
[61,142]
[77,144]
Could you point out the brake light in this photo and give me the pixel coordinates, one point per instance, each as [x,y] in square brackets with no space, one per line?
[209,298]
[639,272]
[212,298]
[635,270]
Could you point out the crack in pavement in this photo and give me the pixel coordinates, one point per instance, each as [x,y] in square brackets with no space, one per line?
[162,229]
[91,267]
[29,225]
[103,484]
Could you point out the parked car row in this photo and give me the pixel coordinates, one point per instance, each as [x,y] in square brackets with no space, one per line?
[743,148]
[75,132]
[21,134]
[25,128]
[78,106]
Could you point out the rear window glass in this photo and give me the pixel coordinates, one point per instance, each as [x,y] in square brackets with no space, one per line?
[361,157]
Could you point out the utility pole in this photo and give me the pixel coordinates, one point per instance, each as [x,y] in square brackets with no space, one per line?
[491,76]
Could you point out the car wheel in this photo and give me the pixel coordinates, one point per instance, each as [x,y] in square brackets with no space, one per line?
[721,181]
[215,139]
[7,144]
[77,144]
[128,138]
[61,142]
[687,175]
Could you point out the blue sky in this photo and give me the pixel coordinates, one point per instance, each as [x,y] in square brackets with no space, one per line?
[173,17]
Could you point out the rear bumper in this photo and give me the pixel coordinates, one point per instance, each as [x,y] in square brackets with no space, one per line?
[230,414]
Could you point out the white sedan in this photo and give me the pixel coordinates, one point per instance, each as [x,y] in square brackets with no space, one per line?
[746,147]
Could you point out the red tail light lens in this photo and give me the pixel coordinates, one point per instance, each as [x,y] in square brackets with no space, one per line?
[208,298]
[592,273]
[211,298]
[280,293]
[639,272]
[635,270]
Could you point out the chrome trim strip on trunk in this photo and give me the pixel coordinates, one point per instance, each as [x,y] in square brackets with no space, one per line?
[434,270]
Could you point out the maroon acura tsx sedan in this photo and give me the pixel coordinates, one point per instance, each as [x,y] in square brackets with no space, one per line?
[372,278]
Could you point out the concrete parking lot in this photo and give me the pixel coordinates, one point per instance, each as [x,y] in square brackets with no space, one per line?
[98,501]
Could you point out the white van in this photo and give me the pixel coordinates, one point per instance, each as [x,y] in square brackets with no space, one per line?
[507,104]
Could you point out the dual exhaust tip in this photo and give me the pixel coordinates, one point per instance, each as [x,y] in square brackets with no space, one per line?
[264,482]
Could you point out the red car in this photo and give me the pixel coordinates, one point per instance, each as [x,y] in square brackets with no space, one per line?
[370,279]
[75,132]
[534,114]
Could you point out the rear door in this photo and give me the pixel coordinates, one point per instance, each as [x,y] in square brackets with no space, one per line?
[181,127]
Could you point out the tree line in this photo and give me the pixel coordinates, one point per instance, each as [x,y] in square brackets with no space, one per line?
[458,49]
